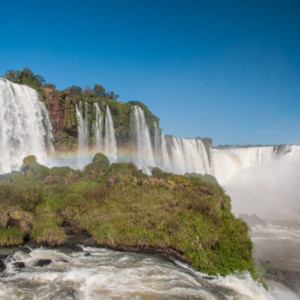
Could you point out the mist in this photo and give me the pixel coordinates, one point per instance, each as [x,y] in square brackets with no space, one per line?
[271,191]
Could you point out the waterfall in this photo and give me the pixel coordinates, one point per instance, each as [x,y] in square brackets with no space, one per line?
[83,133]
[165,155]
[141,139]
[293,153]
[188,156]
[157,142]
[227,162]
[110,144]
[25,127]
[98,129]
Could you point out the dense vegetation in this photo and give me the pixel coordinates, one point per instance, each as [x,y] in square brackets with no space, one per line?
[120,207]
[61,106]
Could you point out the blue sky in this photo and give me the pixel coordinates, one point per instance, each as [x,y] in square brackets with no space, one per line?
[229,70]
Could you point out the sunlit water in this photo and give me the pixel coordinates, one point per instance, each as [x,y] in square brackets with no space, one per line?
[107,274]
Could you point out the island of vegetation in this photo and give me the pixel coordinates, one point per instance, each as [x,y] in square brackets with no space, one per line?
[117,206]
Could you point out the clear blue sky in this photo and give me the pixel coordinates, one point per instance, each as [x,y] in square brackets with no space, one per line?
[229,70]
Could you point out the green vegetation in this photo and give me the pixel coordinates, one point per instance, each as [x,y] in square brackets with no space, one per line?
[194,177]
[122,208]
[10,236]
[26,76]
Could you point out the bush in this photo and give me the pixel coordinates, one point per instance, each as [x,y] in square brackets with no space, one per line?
[26,76]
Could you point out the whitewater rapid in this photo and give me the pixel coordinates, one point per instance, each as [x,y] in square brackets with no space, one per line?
[99,273]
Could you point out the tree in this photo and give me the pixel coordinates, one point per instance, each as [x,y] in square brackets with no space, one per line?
[113,96]
[99,90]
[26,76]
[74,89]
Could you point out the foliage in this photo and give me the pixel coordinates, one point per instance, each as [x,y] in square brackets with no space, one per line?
[26,76]
[74,89]
[47,227]
[10,236]
[201,178]
[99,90]
[29,160]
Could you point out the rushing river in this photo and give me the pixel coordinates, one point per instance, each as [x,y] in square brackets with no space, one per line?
[98,273]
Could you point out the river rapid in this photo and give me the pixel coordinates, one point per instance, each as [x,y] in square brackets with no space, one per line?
[97,273]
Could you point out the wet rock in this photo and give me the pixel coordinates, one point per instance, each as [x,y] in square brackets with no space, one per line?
[286,277]
[87,254]
[70,248]
[2,266]
[2,263]
[43,262]
[19,264]
[208,277]
[89,242]
[62,260]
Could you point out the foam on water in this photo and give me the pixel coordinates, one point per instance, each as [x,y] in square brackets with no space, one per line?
[107,274]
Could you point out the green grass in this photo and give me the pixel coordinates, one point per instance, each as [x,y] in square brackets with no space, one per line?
[11,236]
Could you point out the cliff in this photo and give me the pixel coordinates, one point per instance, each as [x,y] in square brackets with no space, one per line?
[61,108]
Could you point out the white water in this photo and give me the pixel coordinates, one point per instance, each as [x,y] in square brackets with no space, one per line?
[98,128]
[188,156]
[25,127]
[141,139]
[228,162]
[107,274]
[83,133]
[157,142]
[110,144]
[104,136]
[166,164]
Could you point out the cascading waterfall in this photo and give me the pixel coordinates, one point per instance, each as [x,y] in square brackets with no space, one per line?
[189,156]
[293,153]
[83,133]
[172,154]
[104,137]
[98,129]
[110,144]
[227,162]
[141,139]
[166,165]
[25,127]
[157,142]
[185,155]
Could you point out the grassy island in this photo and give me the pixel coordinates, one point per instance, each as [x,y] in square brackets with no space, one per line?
[117,205]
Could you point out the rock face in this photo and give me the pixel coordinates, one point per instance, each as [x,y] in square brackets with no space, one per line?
[60,107]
